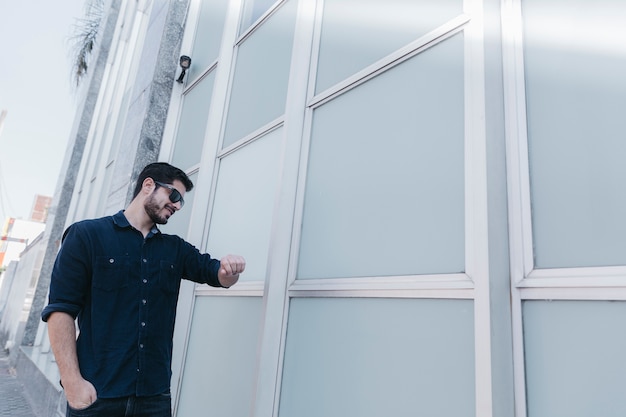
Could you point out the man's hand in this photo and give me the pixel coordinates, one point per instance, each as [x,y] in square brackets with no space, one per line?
[80,394]
[230,268]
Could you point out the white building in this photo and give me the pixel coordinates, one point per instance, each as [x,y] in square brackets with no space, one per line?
[429,194]
[15,235]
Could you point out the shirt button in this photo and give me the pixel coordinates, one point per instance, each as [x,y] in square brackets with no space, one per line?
[137,369]
[143,324]
[144,302]
[111,260]
[144,260]
[141,346]
[144,280]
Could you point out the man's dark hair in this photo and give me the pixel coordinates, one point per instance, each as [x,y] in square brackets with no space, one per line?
[162,172]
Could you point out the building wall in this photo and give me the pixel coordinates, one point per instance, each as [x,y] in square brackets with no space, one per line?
[383,162]
[428,195]
[16,294]
[6,282]
[349,165]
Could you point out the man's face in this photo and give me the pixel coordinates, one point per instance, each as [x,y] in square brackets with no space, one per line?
[158,205]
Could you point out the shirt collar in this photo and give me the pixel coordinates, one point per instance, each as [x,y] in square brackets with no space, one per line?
[120,220]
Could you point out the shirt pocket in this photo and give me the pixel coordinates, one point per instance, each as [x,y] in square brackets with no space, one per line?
[169,277]
[111,272]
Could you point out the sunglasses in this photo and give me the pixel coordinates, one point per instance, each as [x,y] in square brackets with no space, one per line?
[175,196]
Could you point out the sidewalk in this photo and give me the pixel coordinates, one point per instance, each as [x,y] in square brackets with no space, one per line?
[12,400]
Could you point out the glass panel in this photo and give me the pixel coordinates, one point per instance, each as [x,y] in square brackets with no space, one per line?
[385,184]
[178,224]
[378,357]
[575,59]
[208,36]
[260,82]
[242,214]
[574,354]
[192,124]
[253,9]
[357,33]
[219,374]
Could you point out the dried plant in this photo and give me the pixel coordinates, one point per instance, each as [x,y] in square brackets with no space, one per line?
[84,39]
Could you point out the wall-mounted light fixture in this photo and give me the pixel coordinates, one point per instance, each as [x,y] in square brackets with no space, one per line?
[185,63]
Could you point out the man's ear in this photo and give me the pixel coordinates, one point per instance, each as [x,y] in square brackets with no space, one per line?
[147,186]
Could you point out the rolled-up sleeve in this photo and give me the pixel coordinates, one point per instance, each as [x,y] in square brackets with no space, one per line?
[71,275]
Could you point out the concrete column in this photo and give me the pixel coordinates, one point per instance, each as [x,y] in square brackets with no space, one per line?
[57,215]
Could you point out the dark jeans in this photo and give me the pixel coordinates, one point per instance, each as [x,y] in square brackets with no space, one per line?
[157,406]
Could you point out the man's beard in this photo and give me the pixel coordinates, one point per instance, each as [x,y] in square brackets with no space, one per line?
[152,210]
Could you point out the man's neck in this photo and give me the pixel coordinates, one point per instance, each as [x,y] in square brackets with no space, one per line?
[138,218]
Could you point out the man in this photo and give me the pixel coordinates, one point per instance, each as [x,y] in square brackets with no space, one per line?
[120,276]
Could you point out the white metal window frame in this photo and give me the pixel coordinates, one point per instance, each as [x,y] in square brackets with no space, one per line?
[208,168]
[296,123]
[212,152]
[406,284]
[528,282]
[587,283]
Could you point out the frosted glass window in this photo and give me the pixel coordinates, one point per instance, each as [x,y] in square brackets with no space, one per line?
[575,61]
[357,33]
[244,201]
[192,124]
[574,353]
[254,9]
[378,357]
[385,184]
[178,224]
[208,36]
[219,374]
[261,73]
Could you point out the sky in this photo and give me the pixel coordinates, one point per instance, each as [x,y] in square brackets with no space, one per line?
[36,90]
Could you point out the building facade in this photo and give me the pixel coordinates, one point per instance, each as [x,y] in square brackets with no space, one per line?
[41,205]
[429,196]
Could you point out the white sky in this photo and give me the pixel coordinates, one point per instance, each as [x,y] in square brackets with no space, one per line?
[36,90]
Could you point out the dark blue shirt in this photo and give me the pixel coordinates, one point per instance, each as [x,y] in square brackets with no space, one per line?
[124,289]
